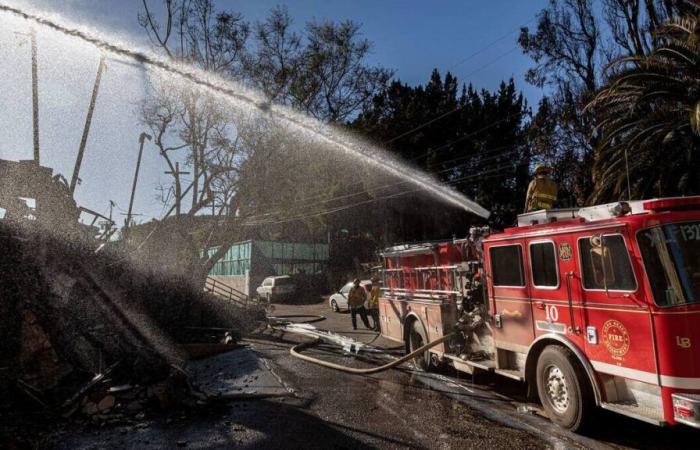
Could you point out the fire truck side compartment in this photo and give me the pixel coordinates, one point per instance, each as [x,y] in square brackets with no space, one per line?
[573,278]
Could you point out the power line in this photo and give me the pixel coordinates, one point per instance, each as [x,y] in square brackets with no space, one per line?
[345,207]
[341,208]
[477,154]
[385,186]
[493,61]
[454,110]
[461,138]
[423,125]
[468,75]
[490,44]
[321,199]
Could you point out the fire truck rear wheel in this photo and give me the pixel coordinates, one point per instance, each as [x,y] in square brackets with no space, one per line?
[563,388]
[417,339]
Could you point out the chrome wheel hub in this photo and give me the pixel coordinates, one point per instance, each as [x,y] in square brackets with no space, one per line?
[557,390]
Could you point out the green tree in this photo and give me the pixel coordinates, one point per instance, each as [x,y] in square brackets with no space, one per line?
[574,40]
[649,118]
[478,146]
[245,165]
[322,71]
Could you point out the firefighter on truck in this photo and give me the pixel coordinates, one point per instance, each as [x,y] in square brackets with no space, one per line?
[542,191]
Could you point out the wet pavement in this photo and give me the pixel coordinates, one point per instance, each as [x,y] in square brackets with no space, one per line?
[309,406]
[238,374]
[494,411]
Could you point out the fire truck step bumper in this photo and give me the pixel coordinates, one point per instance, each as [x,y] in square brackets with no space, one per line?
[686,409]
[636,411]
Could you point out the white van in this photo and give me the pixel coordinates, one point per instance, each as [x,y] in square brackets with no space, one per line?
[276,288]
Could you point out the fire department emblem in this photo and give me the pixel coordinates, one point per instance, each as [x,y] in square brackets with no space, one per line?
[565,251]
[615,338]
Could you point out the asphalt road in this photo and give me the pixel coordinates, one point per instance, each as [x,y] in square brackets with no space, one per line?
[324,408]
[408,408]
[392,409]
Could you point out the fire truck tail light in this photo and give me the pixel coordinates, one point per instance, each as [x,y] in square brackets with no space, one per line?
[686,409]
[682,411]
[672,203]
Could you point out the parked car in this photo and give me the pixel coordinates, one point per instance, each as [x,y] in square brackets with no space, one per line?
[339,301]
[275,289]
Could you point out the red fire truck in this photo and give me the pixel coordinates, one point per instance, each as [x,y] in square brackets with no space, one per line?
[592,307]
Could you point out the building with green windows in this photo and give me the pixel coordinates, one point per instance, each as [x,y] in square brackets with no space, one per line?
[247,263]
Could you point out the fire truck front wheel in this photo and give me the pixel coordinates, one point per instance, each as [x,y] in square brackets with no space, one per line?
[417,339]
[563,388]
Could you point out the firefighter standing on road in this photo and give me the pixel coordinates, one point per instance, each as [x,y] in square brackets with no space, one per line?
[542,191]
[356,300]
[373,302]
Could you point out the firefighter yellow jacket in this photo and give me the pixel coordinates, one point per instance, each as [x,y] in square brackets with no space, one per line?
[541,194]
[373,302]
[357,296]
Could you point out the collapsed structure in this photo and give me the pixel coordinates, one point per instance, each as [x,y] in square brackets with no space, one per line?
[89,333]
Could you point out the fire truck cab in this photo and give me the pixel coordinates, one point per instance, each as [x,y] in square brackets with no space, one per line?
[592,307]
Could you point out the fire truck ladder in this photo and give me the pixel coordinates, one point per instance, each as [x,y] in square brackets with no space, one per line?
[420,278]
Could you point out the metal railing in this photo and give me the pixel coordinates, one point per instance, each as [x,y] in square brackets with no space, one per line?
[213,286]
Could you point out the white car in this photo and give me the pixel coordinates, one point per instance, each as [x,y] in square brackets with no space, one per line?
[276,288]
[339,301]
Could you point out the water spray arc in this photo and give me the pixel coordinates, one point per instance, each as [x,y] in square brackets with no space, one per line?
[369,155]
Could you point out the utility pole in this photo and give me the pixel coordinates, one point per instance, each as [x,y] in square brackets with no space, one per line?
[88,121]
[35,95]
[127,224]
[142,138]
[178,196]
[111,222]
[111,205]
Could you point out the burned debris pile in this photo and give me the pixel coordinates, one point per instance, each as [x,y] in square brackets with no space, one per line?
[92,335]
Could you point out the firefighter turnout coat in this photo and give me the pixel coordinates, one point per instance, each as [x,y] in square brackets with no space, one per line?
[541,194]
[357,296]
[373,302]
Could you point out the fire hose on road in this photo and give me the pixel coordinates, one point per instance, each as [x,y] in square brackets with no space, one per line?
[295,352]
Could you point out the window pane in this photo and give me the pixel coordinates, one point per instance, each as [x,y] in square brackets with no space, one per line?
[544,264]
[265,248]
[607,265]
[507,266]
[671,255]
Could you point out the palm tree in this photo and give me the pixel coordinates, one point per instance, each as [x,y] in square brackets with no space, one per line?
[648,117]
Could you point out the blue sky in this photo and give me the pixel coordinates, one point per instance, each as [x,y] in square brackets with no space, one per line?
[410,37]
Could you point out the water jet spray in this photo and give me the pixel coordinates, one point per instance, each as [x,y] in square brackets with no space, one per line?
[337,138]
